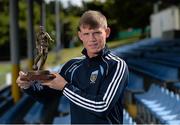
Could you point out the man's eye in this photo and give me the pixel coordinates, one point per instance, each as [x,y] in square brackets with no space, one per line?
[85,34]
[98,33]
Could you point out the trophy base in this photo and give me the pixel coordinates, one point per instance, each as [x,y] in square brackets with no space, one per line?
[41,75]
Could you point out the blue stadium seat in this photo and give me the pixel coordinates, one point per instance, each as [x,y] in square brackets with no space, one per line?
[157,71]
[5,92]
[16,113]
[136,83]
[169,59]
[127,119]
[131,47]
[41,113]
[34,114]
[5,105]
[176,87]
[62,120]
[64,105]
[164,107]
[64,116]
[3,89]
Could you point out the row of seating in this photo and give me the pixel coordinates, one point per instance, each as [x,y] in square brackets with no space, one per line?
[15,113]
[153,60]
[161,72]
[169,59]
[63,116]
[163,109]
[6,101]
[40,113]
[29,111]
[160,64]
[127,119]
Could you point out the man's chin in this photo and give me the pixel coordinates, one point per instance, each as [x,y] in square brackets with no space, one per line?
[96,52]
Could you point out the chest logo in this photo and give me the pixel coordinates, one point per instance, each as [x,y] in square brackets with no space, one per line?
[93,76]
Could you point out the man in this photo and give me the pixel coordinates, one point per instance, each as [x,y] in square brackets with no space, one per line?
[94,83]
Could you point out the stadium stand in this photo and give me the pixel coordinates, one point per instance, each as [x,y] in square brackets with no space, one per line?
[161,108]
[127,119]
[151,97]
[154,70]
[63,116]
[6,101]
[17,112]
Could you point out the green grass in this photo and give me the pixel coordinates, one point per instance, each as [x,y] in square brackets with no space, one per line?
[5,67]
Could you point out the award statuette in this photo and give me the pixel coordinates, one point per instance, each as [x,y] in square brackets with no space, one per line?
[43,41]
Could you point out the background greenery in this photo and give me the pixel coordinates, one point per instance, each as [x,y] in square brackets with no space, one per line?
[122,15]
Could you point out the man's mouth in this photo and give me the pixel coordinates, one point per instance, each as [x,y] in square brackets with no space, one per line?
[93,45]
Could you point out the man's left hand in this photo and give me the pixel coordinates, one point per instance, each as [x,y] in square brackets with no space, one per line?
[57,83]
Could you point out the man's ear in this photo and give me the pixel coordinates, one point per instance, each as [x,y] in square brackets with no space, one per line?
[108,31]
[80,35]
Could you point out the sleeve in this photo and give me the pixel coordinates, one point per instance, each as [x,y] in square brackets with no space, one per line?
[111,90]
[42,94]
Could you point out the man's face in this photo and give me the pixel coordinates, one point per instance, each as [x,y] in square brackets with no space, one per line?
[93,39]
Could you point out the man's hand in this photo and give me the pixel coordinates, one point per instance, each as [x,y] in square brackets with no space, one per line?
[21,83]
[57,83]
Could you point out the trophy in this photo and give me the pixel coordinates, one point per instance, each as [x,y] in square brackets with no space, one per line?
[43,41]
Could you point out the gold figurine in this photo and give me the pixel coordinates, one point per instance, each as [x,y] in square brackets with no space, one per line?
[42,44]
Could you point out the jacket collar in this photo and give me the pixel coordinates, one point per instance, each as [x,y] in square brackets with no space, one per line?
[103,52]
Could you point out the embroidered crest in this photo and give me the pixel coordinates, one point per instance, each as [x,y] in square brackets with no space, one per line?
[93,76]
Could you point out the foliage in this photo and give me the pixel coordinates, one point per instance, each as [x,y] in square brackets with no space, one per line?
[4,21]
[121,15]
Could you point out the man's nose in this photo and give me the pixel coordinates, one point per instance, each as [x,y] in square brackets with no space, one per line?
[92,37]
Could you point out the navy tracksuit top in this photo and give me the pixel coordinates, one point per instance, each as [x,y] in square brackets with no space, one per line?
[95,88]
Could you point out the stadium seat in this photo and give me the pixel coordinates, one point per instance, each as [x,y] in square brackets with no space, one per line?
[127,119]
[160,72]
[64,106]
[16,113]
[62,120]
[41,113]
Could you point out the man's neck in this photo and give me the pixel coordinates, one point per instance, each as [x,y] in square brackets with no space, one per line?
[92,55]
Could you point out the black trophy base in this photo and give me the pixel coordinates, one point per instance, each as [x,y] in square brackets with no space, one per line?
[41,75]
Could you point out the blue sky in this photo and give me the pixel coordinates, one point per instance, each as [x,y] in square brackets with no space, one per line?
[74,2]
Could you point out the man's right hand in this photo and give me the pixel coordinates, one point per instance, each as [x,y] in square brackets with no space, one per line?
[21,83]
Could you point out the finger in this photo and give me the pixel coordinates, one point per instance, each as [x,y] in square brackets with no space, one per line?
[25,87]
[56,74]
[17,80]
[22,81]
[21,73]
[19,84]
[46,83]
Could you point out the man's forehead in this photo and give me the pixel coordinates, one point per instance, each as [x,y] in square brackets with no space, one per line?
[86,26]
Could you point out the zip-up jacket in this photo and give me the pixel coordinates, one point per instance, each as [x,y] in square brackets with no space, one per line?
[95,88]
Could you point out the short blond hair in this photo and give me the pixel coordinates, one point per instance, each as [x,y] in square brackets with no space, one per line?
[92,19]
